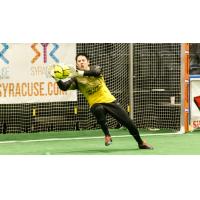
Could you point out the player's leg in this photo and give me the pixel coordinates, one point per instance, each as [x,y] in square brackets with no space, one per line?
[99,112]
[117,112]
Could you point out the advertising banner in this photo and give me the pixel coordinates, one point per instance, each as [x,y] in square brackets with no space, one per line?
[195,102]
[24,76]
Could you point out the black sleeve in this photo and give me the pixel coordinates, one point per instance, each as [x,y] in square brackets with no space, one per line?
[94,71]
[66,85]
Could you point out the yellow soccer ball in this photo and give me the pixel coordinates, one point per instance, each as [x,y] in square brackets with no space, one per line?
[61,72]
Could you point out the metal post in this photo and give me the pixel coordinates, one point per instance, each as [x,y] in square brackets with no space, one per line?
[184,122]
[131,80]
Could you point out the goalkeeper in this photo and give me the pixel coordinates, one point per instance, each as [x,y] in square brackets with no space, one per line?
[89,80]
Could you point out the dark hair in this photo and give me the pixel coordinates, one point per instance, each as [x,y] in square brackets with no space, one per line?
[82,54]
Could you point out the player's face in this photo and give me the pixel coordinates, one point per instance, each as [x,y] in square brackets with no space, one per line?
[82,63]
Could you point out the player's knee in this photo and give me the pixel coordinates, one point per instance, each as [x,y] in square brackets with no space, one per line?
[100,114]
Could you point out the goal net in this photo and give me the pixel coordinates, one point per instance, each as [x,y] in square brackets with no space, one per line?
[157,85]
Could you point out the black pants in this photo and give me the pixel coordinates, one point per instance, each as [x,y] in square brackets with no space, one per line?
[100,111]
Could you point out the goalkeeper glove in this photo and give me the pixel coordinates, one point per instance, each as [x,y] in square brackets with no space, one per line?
[75,72]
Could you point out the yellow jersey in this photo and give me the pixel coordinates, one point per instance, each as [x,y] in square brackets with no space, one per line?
[94,89]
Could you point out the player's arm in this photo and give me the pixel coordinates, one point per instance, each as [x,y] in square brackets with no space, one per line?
[71,84]
[94,71]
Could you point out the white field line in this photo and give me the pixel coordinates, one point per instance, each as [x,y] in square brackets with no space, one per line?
[82,138]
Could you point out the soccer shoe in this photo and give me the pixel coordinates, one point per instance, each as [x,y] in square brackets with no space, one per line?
[144,145]
[108,140]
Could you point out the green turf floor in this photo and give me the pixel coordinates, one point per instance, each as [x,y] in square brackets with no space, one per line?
[92,143]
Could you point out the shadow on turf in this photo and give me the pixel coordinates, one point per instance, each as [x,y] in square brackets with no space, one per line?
[96,151]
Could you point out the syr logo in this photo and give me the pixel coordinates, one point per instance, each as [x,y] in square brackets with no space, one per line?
[44,47]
